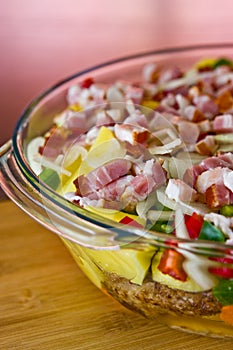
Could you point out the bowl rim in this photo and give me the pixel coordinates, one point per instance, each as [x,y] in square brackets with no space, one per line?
[117,229]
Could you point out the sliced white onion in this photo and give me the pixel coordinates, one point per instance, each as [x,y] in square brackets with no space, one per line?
[32,151]
[197,266]
[105,152]
[155,215]
[191,77]
[74,153]
[143,206]
[177,167]
[224,138]
[130,107]
[45,162]
[181,230]
[190,157]
[187,208]
[167,148]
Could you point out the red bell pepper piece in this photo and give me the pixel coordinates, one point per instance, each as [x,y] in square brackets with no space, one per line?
[223,271]
[86,83]
[194,224]
[171,263]
[128,221]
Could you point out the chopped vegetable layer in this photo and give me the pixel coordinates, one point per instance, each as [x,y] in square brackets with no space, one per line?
[154,154]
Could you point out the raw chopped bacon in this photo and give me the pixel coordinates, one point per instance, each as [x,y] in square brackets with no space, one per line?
[170,74]
[137,118]
[125,190]
[54,142]
[193,114]
[169,102]
[210,177]
[182,102]
[217,195]
[206,146]
[224,101]
[150,72]
[204,126]
[73,94]
[134,94]
[206,105]
[101,176]
[115,189]
[102,118]
[228,158]
[223,160]
[131,133]
[179,190]
[191,174]
[75,122]
[189,132]
[223,123]
[228,180]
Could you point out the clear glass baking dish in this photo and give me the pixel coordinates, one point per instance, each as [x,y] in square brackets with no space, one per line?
[119,259]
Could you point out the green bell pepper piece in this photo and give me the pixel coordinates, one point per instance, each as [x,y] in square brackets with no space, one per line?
[211,233]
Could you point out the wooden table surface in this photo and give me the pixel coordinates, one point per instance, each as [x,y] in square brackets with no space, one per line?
[46,302]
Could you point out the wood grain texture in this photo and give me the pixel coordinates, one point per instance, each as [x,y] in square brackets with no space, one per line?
[46,303]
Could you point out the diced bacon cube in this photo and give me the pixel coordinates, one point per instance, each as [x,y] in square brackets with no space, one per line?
[206,105]
[150,72]
[134,94]
[217,195]
[179,190]
[204,126]
[207,146]
[223,123]
[194,91]
[101,176]
[224,101]
[131,133]
[210,177]
[193,114]
[191,174]
[170,74]
[228,180]
[188,131]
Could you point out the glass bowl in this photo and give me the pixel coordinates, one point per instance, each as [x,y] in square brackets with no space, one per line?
[122,258]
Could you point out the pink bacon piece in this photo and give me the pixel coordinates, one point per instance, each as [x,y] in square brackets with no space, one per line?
[131,133]
[191,174]
[189,132]
[223,123]
[218,195]
[179,190]
[206,105]
[127,190]
[101,176]
[211,177]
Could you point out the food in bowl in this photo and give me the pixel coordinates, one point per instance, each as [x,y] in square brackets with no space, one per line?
[153,156]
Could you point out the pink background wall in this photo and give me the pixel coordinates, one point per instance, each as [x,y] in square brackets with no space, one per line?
[42,42]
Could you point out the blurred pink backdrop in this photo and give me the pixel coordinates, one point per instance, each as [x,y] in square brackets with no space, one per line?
[44,41]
